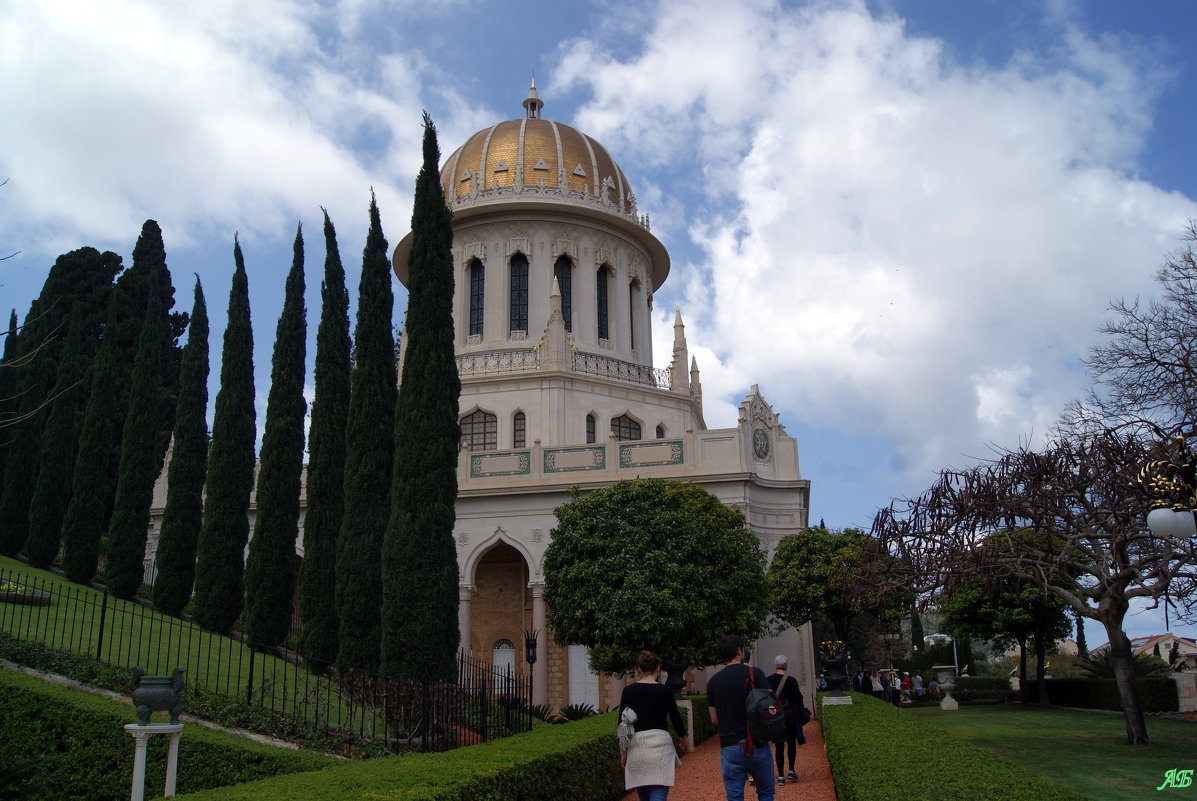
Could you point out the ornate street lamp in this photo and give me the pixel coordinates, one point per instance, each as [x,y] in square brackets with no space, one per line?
[530,641]
[1172,485]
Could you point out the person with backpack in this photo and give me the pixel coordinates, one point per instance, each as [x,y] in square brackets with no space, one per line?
[742,751]
[785,688]
[645,749]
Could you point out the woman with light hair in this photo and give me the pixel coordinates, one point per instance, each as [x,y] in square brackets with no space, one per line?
[785,689]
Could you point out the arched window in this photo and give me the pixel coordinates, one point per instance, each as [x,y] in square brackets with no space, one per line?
[600,291]
[502,658]
[480,431]
[519,427]
[625,428]
[633,292]
[563,271]
[477,296]
[518,290]
[660,432]
[590,428]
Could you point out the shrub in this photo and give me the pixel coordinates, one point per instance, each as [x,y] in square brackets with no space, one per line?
[82,751]
[1156,694]
[982,690]
[578,711]
[880,753]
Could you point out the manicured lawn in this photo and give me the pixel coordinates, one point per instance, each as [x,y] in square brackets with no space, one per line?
[1085,752]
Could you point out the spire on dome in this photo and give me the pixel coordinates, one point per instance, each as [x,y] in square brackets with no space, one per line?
[532,103]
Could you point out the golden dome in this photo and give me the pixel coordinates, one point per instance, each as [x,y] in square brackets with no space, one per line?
[531,157]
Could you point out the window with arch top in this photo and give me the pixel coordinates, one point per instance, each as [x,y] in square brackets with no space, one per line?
[600,292]
[519,429]
[563,272]
[518,292]
[633,294]
[477,296]
[590,426]
[480,431]
[660,432]
[625,428]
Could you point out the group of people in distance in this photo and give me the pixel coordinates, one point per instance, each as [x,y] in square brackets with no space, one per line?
[646,749]
[892,686]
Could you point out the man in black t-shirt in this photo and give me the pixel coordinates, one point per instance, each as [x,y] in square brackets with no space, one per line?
[727,697]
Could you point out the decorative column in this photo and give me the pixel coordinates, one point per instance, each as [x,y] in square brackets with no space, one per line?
[464,593]
[141,736]
[540,671]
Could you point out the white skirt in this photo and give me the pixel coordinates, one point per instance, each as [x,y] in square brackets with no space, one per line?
[652,760]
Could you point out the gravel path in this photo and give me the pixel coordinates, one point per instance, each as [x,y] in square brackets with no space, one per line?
[699,778]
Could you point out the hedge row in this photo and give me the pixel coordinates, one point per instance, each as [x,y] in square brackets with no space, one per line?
[983,690]
[577,760]
[879,753]
[80,750]
[1157,694]
[703,728]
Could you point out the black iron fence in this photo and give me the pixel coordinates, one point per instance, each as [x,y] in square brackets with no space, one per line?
[426,715]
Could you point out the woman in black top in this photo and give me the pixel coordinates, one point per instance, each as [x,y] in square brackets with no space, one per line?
[648,756]
[785,689]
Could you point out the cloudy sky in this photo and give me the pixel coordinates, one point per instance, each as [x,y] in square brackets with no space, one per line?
[903,220]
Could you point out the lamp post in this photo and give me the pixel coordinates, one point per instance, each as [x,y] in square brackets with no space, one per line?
[531,636]
[1171,484]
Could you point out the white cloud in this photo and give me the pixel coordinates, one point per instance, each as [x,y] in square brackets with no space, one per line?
[890,241]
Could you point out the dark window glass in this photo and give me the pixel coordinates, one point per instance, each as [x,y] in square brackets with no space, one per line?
[632,287]
[625,428]
[480,431]
[601,294]
[562,271]
[660,432]
[477,293]
[590,428]
[519,293]
[519,425]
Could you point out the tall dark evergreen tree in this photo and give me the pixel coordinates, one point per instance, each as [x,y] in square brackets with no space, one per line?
[419,559]
[82,277]
[8,404]
[86,517]
[326,463]
[369,450]
[220,567]
[140,462]
[270,568]
[60,439]
[184,512]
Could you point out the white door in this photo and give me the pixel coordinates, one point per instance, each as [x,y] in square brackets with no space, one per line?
[583,682]
[503,659]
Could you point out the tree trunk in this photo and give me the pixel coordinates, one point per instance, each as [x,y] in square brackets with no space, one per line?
[1112,613]
[1041,669]
[1022,670]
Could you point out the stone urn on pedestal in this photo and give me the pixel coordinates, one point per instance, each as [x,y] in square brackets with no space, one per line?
[947,682]
[833,657]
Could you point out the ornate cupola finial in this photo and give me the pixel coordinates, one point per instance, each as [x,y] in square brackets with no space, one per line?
[532,103]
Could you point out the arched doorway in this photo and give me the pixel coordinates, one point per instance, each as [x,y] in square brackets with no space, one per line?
[501,607]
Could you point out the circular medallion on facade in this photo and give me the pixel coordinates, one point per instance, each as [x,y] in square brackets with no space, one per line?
[760,444]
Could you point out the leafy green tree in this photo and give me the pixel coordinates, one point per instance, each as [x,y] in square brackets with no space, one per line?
[59,443]
[270,568]
[184,513]
[1101,665]
[369,452]
[817,570]
[326,463]
[91,490]
[652,564]
[140,462]
[419,557]
[220,566]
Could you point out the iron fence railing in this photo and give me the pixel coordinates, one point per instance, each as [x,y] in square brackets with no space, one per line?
[426,715]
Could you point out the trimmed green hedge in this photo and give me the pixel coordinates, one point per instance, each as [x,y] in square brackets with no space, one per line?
[983,690]
[880,753]
[576,760]
[82,752]
[1157,694]
[703,728]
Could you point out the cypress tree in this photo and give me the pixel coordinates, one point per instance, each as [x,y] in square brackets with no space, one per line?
[59,443]
[184,512]
[219,567]
[270,568]
[326,462]
[369,449]
[140,462]
[87,513]
[419,560]
[7,401]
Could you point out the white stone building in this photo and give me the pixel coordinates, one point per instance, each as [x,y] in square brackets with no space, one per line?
[555,275]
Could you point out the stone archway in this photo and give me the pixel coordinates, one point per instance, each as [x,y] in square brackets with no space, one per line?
[501,603]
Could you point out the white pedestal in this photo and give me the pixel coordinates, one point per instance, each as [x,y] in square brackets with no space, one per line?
[689,716]
[141,737]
